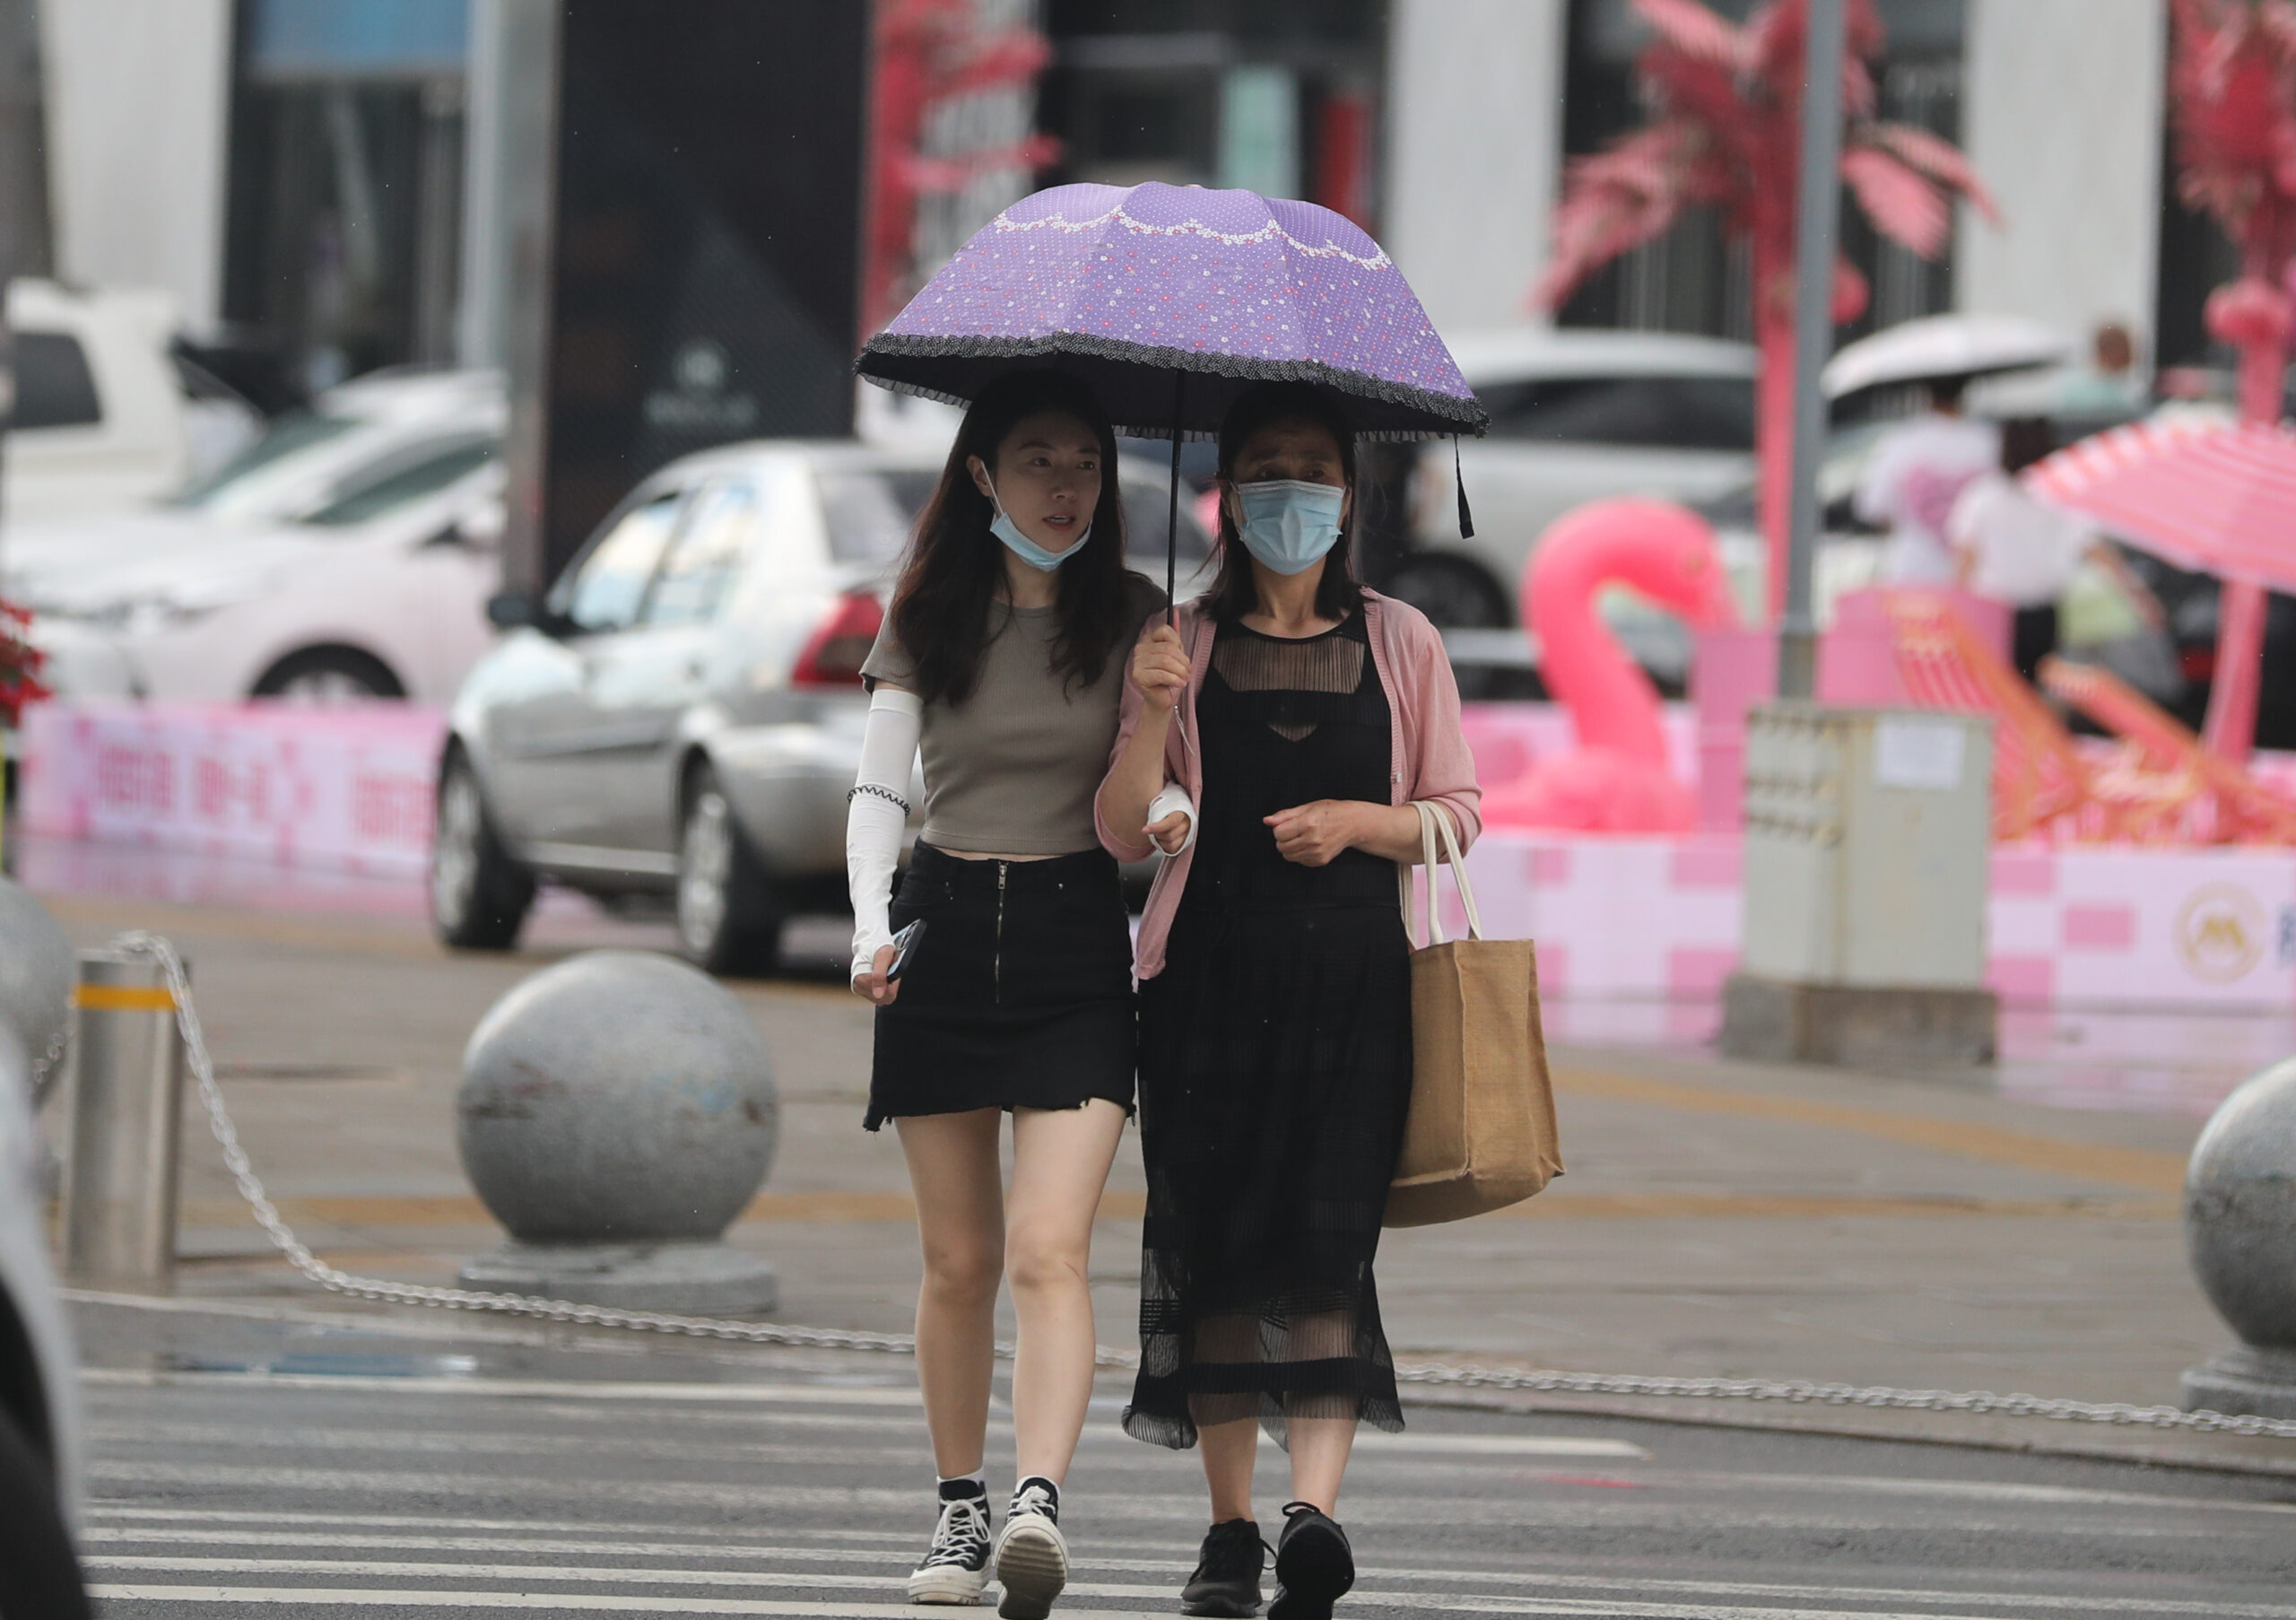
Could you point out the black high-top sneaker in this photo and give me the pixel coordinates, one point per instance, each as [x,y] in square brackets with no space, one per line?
[1227,1572]
[1032,1557]
[956,1565]
[1314,1564]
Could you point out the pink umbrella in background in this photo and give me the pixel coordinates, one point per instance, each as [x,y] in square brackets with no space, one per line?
[2215,498]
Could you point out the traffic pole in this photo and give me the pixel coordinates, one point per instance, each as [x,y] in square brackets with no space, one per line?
[1818,211]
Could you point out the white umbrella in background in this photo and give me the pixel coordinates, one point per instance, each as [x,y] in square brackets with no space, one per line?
[1942,345]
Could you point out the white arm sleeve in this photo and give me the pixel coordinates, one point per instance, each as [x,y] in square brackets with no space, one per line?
[876,815]
[1173,796]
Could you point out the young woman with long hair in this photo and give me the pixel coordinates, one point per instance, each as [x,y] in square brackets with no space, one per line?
[1003,657]
[1275,987]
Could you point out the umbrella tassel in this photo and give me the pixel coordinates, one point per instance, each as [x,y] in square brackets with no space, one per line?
[1467,517]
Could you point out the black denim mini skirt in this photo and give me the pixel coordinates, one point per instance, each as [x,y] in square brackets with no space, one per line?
[1019,995]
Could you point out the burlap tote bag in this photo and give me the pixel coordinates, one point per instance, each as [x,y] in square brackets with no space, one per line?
[1481,1134]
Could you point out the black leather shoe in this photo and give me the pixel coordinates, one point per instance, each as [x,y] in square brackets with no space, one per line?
[1227,1572]
[1314,1564]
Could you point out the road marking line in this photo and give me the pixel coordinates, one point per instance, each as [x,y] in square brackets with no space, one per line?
[516,1388]
[1495,1445]
[901,1548]
[2148,1170]
[1378,1448]
[598,1602]
[658,1604]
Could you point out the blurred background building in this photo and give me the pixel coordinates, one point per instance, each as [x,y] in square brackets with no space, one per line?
[302,174]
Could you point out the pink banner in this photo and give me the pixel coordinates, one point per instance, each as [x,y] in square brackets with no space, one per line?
[342,788]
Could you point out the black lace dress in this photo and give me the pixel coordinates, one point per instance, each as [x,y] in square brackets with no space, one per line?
[1275,1063]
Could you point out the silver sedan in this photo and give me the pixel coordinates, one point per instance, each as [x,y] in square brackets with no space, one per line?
[682,714]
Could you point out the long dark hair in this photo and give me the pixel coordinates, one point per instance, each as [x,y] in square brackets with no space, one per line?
[942,606]
[1235,592]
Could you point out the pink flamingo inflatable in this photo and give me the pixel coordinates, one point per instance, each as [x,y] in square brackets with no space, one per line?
[1617,780]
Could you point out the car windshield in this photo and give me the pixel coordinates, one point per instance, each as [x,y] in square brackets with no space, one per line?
[296,432]
[403,479]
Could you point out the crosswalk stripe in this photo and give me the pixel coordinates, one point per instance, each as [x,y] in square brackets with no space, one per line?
[592,1602]
[662,1604]
[896,1556]
[514,1388]
[1377,1449]
[568,1574]
[1372,1585]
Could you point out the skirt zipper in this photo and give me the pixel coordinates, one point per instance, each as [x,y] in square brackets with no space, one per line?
[997,960]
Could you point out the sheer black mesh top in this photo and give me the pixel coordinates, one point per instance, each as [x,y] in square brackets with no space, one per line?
[1283,722]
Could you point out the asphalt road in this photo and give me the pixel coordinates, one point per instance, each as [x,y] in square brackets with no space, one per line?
[241,1466]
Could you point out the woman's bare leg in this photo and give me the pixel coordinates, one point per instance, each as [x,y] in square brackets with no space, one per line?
[1227,1426]
[1230,1450]
[1319,1450]
[954,1172]
[1060,1163]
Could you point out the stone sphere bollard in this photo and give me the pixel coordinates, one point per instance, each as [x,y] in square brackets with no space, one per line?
[616,1112]
[2240,1232]
[36,972]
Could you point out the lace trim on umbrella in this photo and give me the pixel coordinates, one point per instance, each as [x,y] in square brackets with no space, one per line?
[1451,413]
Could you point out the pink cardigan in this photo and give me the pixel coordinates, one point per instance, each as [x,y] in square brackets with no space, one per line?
[1429,755]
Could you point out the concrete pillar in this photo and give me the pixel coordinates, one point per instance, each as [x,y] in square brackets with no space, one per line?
[1474,154]
[139,96]
[2061,112]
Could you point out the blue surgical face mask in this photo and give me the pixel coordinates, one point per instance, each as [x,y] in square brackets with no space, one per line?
[1027,550]
[1290,524]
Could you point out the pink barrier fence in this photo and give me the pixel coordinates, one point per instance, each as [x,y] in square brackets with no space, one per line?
[2126,927]
[349,791]
[340,788]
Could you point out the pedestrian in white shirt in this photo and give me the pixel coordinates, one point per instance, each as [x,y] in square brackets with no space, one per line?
[2013,548]
[1917,470]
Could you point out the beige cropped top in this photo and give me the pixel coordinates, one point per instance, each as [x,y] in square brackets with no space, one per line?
[1013,769]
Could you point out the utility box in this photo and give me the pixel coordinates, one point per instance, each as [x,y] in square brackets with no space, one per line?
[1868,836]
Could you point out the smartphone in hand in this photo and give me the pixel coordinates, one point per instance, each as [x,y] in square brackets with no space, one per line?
[904,946]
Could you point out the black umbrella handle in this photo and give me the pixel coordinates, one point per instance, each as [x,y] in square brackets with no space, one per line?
[1172,514]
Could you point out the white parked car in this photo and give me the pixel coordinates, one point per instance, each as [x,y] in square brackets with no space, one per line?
[106,417]
[381,593]
[367,431]
[683,714]
[1575,416]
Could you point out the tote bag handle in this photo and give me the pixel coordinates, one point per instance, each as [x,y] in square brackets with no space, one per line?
[1431,820]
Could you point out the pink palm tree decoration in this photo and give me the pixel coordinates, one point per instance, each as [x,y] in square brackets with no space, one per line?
[1726,135]
[2232,82]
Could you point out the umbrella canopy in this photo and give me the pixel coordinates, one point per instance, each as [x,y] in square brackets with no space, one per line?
[1138,289]
[1939,346]
[2218,497]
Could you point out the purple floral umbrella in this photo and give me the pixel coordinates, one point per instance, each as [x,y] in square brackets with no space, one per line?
[1170,301]
[1129,287]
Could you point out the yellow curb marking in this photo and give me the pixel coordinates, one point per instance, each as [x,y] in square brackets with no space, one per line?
[2144,1170]
[1560,1203]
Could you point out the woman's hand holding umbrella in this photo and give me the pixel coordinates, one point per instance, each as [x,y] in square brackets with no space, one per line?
[1159,669]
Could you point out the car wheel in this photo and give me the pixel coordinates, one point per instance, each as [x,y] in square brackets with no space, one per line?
[479,894]
[1454,593]
[329,674]
[39,1577]
[729,920]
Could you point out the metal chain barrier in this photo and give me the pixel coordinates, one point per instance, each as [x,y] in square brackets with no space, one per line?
[1435,1374]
